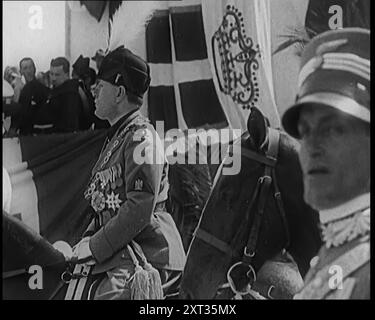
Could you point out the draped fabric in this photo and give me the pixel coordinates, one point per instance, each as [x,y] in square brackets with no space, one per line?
[238,35]
[201,78]
[182,91]
[97,8]
[48,176]
[49,173]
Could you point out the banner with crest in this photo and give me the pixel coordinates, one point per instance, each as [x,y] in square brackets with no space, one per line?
[238,44]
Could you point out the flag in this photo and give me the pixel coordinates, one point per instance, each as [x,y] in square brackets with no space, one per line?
[48,175]
[182,92]
[97,8]
[238,40]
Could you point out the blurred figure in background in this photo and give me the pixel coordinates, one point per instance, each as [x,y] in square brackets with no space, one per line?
[14,78]
[44,78]
[8,94]
[32,97]
[98,58]
[86,77]
[63,110]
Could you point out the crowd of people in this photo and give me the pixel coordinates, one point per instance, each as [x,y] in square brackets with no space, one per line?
[57,101]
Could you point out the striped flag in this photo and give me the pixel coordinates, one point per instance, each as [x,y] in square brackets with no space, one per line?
[182,91]
[48,175]
[202,78]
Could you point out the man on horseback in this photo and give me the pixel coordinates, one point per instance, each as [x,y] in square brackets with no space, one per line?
[131,232]
[331,118]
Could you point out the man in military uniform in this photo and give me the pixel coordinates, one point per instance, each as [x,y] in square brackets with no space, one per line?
[129,187]
[331,118]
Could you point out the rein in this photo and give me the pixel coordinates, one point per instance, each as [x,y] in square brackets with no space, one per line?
[259,198]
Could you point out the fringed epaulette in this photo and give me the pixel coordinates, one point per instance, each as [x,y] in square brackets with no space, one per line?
[339,232]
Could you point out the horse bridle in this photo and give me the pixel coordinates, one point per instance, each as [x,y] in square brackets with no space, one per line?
[261,193]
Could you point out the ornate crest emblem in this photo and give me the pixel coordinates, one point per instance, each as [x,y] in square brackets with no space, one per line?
[235,59]
[138,185]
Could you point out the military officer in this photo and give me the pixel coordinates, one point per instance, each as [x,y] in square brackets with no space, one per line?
[331,118]
[129,187]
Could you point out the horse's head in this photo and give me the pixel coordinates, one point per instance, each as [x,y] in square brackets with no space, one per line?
[229,215]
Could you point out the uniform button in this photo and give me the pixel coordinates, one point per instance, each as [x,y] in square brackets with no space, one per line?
[314,261]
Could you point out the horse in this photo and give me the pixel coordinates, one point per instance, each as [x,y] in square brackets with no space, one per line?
[26,254]
[256,235]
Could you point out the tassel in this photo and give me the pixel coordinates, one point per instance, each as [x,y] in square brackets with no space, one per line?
[140,287]
[156,289]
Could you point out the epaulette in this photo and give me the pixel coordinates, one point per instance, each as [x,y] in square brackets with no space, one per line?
[135,124]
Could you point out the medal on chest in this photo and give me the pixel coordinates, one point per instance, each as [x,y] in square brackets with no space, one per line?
[102,190]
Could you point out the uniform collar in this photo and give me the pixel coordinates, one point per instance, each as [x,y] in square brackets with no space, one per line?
[357,204]
[121,123]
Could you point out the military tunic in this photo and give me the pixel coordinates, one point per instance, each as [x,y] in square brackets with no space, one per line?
[128,189]
[342,268]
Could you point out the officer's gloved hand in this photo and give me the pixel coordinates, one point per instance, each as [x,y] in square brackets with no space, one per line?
[82,252]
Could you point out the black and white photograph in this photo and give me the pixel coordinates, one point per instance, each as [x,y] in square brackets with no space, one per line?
[208,151]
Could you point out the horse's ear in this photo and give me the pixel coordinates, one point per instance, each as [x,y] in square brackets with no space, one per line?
[257,126]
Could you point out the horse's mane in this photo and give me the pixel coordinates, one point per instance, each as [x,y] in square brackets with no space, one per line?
[190,185]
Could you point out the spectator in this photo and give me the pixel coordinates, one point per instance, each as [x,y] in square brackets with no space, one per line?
[8,94]
[44,78]
[12,86]
[12,75]
[64,106]
[98,58]
[80,67]
[33,96]
[87,77]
